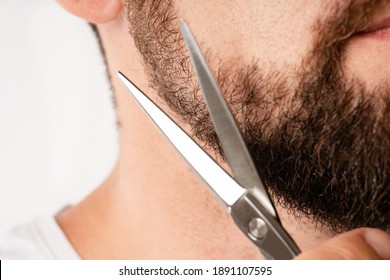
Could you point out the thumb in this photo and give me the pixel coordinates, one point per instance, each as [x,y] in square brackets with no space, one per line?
[358,244]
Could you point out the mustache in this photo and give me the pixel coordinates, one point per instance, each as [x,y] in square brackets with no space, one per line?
[332,33]
[347,18]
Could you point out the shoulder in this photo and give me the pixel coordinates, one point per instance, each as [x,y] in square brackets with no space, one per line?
[22,242]
[40,239]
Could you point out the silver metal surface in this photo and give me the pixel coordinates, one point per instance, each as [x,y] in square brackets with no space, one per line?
[255,206]
[243,206]
[257,228]
[215,177]
[229,135]
[277,243]
[245,196]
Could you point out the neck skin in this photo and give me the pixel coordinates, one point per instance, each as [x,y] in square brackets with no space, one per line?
[153,206]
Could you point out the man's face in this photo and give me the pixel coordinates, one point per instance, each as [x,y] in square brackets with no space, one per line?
[309,89]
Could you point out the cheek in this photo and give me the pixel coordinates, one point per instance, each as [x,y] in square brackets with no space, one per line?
[274,33]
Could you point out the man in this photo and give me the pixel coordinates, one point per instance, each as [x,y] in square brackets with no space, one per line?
[308,84]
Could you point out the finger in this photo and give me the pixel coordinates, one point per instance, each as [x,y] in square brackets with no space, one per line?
[358,244]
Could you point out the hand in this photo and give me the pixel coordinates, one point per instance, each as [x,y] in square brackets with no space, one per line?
[358,244]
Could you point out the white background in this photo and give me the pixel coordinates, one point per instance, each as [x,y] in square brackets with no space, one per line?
[57,126]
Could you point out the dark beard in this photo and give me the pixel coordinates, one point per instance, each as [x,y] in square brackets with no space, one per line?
[322,148]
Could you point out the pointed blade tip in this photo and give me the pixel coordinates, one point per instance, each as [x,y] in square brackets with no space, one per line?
[182,23]
[121,77]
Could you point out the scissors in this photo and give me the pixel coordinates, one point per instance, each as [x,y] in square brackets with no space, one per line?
[243,194]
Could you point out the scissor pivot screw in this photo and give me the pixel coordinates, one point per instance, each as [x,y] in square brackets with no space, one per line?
[257,228]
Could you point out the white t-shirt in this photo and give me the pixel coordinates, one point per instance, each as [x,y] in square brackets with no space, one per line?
[41,239]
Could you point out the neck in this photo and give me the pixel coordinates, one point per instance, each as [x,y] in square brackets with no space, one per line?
[152,207]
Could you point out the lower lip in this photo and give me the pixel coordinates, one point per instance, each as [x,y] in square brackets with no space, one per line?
[381,34]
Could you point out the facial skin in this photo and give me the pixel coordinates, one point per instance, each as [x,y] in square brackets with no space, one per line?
[317,129]
[311,97]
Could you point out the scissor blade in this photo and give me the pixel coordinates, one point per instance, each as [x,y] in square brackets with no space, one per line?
[229,135]
[225,187]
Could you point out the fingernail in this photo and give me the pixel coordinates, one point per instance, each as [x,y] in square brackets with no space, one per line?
[379,241]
